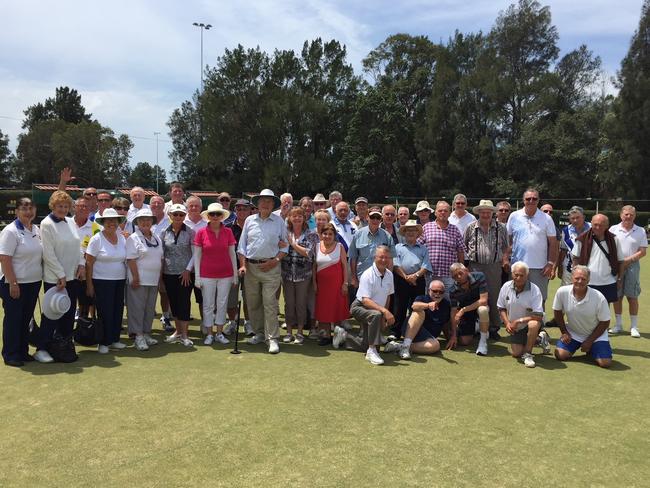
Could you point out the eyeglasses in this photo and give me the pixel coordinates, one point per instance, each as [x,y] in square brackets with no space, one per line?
[503,210]
[90,194]
[224,199]
[215,214]
[104,200]
[547,211]
[389,214]
[461,203]
[123,209]
[531,199]
[178,214]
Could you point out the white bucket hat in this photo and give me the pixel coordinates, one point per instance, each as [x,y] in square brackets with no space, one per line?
[267,193]
[110,213]
[215,207]
[56,303]
[422,205]
[484,205]
[144,212]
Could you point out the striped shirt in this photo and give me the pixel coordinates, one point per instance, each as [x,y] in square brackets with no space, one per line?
[486,248]
[443,245]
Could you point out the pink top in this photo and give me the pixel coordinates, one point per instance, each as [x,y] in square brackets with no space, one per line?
[215,256]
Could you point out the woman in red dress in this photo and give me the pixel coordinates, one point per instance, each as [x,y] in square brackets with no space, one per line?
[330,283]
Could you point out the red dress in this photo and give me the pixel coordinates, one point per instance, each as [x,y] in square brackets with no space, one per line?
[331,303]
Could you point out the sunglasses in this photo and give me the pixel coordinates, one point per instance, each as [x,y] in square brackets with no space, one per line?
[90,194]
[178,214]
[224,199]
[503,210]
[374,217]
[389,214]
[123,209]
[547,211]
[461,203]
[531,199]
[215,214]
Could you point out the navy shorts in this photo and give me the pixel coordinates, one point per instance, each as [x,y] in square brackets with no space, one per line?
[426,332]
[610,292]
[467,325]
[599,349]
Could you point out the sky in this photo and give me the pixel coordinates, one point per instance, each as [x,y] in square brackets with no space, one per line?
[135,61]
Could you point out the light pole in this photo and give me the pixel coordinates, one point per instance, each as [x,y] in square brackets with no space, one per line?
[202,26]
[157,165]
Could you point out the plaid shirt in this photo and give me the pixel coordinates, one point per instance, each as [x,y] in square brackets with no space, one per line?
[296,267]
[443,246]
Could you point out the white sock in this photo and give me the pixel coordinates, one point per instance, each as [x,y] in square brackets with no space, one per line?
[372,348]
[407,342]
[484,336]
[619,320]
[634,321]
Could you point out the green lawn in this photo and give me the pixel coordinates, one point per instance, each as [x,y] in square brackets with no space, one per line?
[314,416]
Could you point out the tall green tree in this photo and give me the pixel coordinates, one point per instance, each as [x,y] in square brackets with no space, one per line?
[6,160]
[65,105]
[147,175]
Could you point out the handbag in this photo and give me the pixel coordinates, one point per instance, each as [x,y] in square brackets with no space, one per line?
[88,331]
[62,349]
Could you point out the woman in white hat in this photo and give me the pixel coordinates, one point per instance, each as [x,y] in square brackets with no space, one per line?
[215,268]
[63,265]
[178,264]
[21,254]
[106,268]
[144,254]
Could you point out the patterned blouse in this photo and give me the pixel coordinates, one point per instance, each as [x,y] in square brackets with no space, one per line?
[486,248]
[297,268]
[178,250]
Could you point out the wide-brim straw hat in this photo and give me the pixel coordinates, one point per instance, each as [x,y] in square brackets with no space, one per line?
[56,303]
[410,224]
[484,205]
[215,207]
[144,212]
[110,213]
[267,193]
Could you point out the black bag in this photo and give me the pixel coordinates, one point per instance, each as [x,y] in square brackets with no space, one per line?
[34,334]
[62,349]
[88,332]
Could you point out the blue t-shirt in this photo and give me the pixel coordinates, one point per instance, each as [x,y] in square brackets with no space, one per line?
[434,321]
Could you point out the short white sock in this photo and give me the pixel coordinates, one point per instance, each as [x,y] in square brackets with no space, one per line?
[372,348]
[407,342]
[634,324]
[619,320]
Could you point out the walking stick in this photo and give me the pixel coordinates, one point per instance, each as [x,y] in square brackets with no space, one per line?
[239,300]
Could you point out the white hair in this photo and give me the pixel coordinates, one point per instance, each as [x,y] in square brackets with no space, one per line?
[521,265]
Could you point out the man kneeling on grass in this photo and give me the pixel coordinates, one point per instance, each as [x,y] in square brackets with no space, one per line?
[520,307]
[429,317]
[370,308]
[588,317]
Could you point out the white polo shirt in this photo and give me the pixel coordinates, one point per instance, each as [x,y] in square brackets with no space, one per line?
[195,226]
[530,237]
[26,250]
[375,286]
[148,256]
[601,271]
[461,222]
[629,240]
[582,316]
[518,305]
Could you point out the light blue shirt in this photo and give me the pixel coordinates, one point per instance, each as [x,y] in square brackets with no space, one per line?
[412,258]
[363,246]
[260,237]
[311,222]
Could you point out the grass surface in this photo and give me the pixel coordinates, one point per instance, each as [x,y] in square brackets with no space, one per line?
[314,416]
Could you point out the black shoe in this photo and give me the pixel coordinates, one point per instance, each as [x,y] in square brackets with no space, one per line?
[28,358]
[324,341]
[494,335]
[14,362]
[551,323]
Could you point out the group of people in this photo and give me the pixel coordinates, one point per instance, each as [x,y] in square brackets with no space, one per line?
[406,278]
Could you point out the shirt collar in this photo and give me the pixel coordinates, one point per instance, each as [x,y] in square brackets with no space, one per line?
[55,218]
[19,224]
[376,271]
[526,286]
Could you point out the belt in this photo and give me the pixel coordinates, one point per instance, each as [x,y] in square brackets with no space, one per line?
[258,261]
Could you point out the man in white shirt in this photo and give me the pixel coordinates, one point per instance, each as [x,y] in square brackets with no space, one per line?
[137,202]
[460,217]
[633,242]
[521,310]
[194,220]
[533,240]
[345,227]
[370,308]
[587,313]
[286,202]
[177,194]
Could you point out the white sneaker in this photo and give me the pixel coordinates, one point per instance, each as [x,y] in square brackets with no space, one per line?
[117,345]
[140,343]
[287,339]
[230,327]
[482,348]
[221,339]
[284,326]
[256,339]
[373,356]
[209,339]
[171,339]
[248,328]
[616,330]
[274,348]
[392,346]
[186,342]
[346,325]
[529,360]
[340,334]
[404,352]
[43,356]
[299,339]
[100,349]
[150,340]
[634,332]
[544,342]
